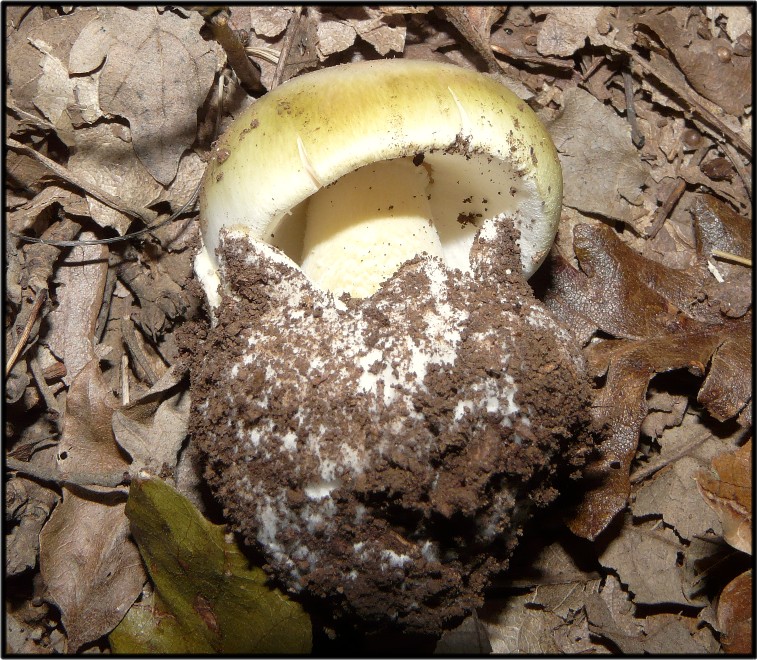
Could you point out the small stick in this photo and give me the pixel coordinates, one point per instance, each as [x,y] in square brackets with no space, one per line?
[286,46]
[729,256]
[43,387]
[39,300]
[125,395]
[739,165]
[128,333]
[534,59]
[596,63]
[246,71]
[82,479]
[86,186]
[636,136]
[664,211]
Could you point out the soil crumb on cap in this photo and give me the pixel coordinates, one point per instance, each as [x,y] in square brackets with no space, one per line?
[384,453]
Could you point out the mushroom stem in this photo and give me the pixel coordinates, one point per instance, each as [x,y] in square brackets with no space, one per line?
[363,227]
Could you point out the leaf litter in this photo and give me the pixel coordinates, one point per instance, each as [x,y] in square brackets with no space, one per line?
[110,116]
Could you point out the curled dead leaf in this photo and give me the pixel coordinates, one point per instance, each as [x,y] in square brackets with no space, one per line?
[655,311]
[729,493]
[735,614]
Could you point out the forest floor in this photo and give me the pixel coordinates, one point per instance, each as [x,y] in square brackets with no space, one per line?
[110,116]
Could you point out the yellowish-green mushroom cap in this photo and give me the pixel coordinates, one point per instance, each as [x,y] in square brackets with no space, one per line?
[465,147]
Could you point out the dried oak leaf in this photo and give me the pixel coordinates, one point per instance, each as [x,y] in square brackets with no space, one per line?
[610,615]
[513,627]
[105,156]
[91,567]
[669,494]
[735,602]
[656,313]
[475,24]
[729,493]
[338,30]
[157,72]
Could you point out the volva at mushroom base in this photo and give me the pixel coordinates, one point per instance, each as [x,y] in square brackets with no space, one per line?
[381,399]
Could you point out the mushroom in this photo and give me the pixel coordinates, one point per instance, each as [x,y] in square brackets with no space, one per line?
[354,169]
[381,400]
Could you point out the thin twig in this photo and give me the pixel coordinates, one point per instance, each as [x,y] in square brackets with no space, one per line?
[125,394]
[662,213]
[39,300]
[636,136]
[286,46]
[533,59]
[246,71]
[116,239]
[739,165]
[82,479]
[44,388]
[135,350]
[87,186]
[108,289]
[729,256]
[596,63]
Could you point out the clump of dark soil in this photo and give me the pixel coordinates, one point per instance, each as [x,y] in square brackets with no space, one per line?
[384,453]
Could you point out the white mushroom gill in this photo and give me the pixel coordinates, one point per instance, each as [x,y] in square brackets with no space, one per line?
[359,230]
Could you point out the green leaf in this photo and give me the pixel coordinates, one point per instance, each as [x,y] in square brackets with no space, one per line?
[208,599]
[148,627]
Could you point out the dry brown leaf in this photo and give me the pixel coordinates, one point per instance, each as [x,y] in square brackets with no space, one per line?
[152,428]
[24,216]
[561,586]
[28,503]
[672,495]
[729,493]
[81,283]
[735,613]
[55,91]
[644,556]
[513,627]
[338,30]
[474,23]
[565,29]
[672,633]
[105,156]
[23,62]
[602,170]
[270,21]
[710,65]
[156,74]
[92,569]
[469,638]
[719,227]
[602,624]
[629,296]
